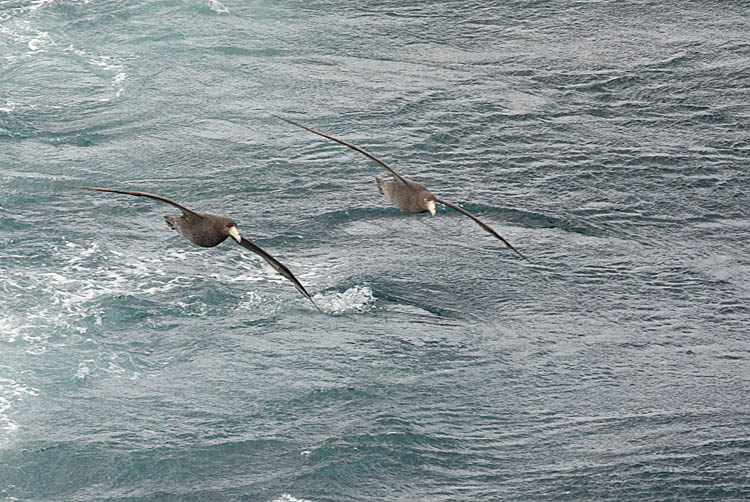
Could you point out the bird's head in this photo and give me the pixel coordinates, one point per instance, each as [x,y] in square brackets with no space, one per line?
[229,227]
[429,202]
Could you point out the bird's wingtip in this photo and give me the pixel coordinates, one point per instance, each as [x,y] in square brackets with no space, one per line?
[316,306]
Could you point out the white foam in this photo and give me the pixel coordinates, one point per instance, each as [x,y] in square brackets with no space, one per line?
[174,283]
[62,295]
[84,370]
[6,424]
[22,33]
[10,392]
[285,497]
[105,63]
[16,26]
[357,299]
[106,362]
[38,44]
[86,253]
[9,13]
[9,106]
[38,4]
[218,7]
[117,82]
[109,64]
[50,303]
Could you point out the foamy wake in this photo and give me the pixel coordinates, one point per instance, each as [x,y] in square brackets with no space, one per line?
[66,302]
[49,304]
[218,7]
[357,299]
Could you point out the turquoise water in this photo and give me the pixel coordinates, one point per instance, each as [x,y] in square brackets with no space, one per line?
[607,141]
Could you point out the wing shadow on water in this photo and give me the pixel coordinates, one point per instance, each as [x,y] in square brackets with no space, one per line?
[430,303]
[571,223]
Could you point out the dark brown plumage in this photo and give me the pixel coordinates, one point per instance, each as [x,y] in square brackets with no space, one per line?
[209,230]
[409,196]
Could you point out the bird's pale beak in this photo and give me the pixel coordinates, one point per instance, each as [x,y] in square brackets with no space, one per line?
[235,233]
[431,206]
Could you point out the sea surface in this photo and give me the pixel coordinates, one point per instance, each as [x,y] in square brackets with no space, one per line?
[609,142]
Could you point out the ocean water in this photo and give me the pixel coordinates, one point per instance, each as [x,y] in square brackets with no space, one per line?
[608,141]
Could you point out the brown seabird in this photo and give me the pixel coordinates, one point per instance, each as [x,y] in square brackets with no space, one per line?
[409,196]
[208,230]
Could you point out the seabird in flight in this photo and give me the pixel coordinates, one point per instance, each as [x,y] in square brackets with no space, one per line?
[208,230]
[409,196]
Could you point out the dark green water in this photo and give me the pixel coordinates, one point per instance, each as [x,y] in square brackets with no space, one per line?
[608,141]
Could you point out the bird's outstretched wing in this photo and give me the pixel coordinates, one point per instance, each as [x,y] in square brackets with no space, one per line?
[276,264]
[353,147]
[185,211]
[481,224]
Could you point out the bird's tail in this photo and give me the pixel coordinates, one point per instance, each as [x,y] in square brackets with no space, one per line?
[380,184]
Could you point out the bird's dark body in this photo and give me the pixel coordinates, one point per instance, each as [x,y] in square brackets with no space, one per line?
[205,230]
[409,196]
